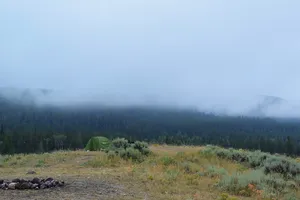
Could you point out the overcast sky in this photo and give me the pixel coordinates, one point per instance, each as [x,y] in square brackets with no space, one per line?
[173,48]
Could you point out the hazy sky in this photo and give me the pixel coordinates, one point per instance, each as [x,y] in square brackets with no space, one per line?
[172,48]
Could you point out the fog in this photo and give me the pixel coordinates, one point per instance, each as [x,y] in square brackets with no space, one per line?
[212,55]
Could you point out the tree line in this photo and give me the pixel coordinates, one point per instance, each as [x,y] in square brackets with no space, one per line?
[28,129]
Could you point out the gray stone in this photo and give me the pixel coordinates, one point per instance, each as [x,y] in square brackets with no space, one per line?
[35,185]
[25,186]
[16,180]
[49,179]
[48,184]
[12,186]
[3,186]
[43,186]
[36,181]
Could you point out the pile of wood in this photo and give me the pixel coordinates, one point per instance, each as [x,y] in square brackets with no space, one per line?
[34,184]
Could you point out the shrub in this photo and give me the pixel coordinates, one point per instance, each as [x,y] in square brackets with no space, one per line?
[140,145]
[111,154]
[209,151]
[122,153]
[120,143]
[135,151]
[291,196]
[231,154]
[171,175]
[145,151]
[213,171]
[257,158]
[238,183]
[281,165]
[166,160]
[131,153]
[273,176]
[134,154]
[187,167]
[40,163]
[278,183]
[256,182]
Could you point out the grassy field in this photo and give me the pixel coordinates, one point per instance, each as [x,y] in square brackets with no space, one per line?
[172,172]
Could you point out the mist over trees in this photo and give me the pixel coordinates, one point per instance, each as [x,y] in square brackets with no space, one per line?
[27,129]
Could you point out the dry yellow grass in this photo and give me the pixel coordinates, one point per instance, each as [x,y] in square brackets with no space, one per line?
[173,150]
[160,176]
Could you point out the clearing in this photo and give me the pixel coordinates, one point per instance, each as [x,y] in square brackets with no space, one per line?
[171,173]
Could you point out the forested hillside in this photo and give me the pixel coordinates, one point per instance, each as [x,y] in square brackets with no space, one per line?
[27,128]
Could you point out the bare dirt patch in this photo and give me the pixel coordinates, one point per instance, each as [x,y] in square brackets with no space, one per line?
[75,188]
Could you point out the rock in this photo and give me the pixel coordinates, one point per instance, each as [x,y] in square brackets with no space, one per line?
[1,181]
[12,186]
[53,184]
[56,183]
[22,181]
[36,181]
[49,179]
[48,184]
[25,186]
[3,186]
[43,186]
[31,172]
[16,180]
[17,186]
[34,186]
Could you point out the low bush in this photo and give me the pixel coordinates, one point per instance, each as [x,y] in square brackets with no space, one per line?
[281,165]
[171,175]
[131,153]
[111,154]
[257,159]
[135,151]
[167,160]
[213,171]
[291,196]
[239,183]
[120,143]
[189,167]
[256,182]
